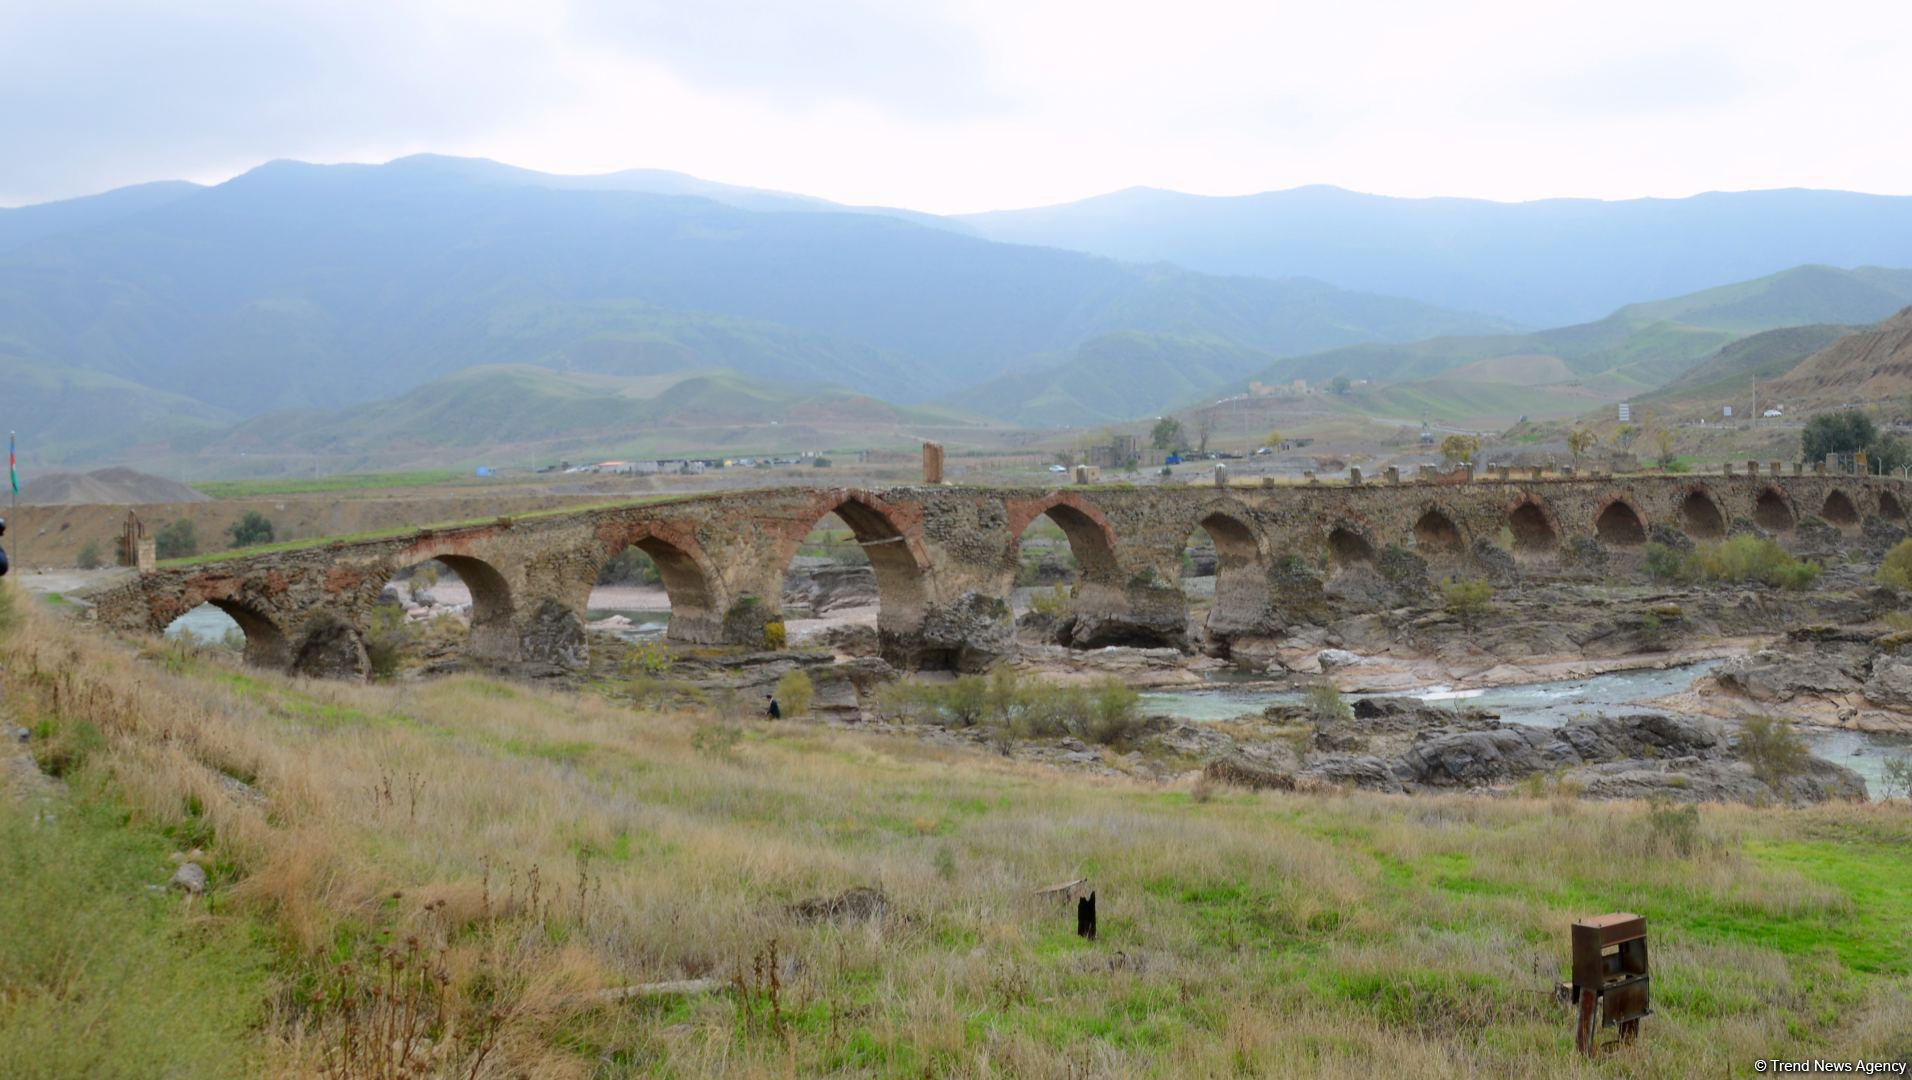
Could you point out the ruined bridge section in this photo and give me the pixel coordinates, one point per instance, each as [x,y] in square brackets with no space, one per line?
[945,559]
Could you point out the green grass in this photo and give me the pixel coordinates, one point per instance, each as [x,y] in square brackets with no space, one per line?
[103,976]
[288,485]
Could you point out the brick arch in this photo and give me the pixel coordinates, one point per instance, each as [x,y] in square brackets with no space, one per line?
[1839,509]
[1349,543]
[1773,509]
[1091,536]
[690,580]
[1890,507]
[266,641]
[1618,520]
[1535,527]
[494,607]
[891,539]
[1437,531]
[1702,515]
[1242,593]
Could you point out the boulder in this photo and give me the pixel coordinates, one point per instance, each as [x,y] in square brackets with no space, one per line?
[189,878]
[1351,770]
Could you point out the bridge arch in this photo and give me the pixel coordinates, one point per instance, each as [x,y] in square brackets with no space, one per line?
[1535,529]
[493,616]
[1349,546]
[265,641]
[1242,594]
[1700,514]
[1773,509]
[1839,510]
[690,580]
[1620,523]
[1090,536]
[1437,535]
[1890,508]
[889,539]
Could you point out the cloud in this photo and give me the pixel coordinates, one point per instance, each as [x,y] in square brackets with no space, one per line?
[972,104]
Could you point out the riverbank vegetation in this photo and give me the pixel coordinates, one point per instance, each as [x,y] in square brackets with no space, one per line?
[504,855]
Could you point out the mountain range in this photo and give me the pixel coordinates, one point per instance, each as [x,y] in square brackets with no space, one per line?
[1550,262]
[302,306]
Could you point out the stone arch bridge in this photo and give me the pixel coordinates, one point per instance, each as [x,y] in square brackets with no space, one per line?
[945,558]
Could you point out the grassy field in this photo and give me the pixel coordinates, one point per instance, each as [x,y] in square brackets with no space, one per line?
[498,854]
[312,485]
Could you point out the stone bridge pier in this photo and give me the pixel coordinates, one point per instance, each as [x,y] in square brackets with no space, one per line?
[945,560]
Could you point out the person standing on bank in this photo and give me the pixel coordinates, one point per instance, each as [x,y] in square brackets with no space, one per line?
[775,711]
[3,551]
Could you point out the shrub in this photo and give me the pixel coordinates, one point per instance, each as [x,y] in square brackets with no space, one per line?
[1665,563]
[795,691]
[648,658]
[385,638]
[89,557]
[774,637]
[1105,712]
[253,528]
[1675,828]
[176,539]
[1770,746]
[1749,558]
[1467,600]
[716,740]
[1896,776]
[1058,602]
[820,462]
[1896,569]
[1325,705]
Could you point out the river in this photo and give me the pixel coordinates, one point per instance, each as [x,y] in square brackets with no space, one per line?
[1545,704]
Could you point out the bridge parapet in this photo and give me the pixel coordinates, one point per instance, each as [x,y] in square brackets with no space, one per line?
[945,559]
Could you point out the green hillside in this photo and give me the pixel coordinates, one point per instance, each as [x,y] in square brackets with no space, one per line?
[520,414]
[1640,345]
[301,286]
[1113,377]
[1728,373]
[64,414]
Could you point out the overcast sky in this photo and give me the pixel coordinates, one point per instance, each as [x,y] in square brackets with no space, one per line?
[956,105]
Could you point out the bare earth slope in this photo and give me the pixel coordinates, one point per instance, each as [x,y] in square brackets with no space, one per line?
[1872,365]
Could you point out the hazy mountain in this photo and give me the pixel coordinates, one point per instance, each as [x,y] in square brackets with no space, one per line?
[24,224]
[1636,348]
[1542,263]
[317,286]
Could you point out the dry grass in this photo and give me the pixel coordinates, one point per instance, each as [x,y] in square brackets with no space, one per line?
[539,846]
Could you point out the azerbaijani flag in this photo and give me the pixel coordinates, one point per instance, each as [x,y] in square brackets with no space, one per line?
[13,473]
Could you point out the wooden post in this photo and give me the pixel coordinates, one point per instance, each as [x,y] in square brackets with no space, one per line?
[932,463]
[1583,1028]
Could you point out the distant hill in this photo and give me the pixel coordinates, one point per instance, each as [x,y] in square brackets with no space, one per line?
[1635,349]
[521,414]
[1869,367]
[1726,377]
[1544,263]
[24,224]
[300,286]
[107,487]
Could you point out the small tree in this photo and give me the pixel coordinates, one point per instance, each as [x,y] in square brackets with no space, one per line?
[1272,440]
[1467,600]
[89,556]
[1460,449]
[1841,432]
[1167,434]
[1579,441]
[795,692]
[1770,747]
[176,539]
[1663,442]
[1340,384]
[254,528]
[1896,568]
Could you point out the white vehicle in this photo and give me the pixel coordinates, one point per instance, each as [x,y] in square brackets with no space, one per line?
[1058,468]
